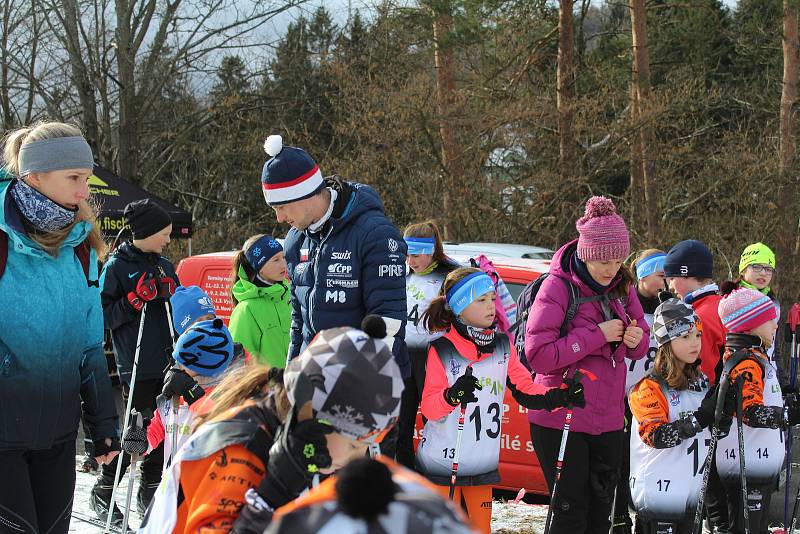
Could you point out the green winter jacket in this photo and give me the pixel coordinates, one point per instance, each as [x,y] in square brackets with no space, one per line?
[262,319]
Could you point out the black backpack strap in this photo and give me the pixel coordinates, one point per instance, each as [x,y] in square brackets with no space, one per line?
[736,358]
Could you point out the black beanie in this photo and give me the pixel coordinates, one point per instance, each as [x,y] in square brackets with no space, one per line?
[689,258]
[145,218]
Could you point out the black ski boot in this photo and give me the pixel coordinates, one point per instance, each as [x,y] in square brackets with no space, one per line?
[622,524]
[99,500]
[144,496]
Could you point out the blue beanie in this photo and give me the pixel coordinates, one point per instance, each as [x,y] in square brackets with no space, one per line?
[262,251]
[689,258]
[205,348]
[189,303]
[290,175]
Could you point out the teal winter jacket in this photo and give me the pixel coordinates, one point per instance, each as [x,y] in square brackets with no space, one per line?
[51,341]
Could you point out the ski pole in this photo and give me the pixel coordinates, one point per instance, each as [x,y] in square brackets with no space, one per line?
[792,322]
[712,450]
[742,469]
[128,409]
[136,432]
[176,404]
[175,399]
[459,432]
[560,461]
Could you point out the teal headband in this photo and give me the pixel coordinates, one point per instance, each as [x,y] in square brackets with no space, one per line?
[650,265]
[420,245]
[468,290]
[55,154]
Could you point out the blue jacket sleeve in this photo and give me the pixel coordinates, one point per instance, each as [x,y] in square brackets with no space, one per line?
[383,256]
[296,331]
[97,396]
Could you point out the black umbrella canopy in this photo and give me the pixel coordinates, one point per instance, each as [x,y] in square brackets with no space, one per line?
[113,193]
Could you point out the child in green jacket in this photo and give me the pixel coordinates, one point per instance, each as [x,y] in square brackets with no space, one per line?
[263,311]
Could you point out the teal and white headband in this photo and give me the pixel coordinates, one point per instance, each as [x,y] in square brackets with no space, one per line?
[468,290]
[55,154]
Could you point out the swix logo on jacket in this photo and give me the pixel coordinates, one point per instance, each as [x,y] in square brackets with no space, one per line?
[665,483]
[340,274]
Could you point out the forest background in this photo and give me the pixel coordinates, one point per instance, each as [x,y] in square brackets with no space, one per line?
[498,118]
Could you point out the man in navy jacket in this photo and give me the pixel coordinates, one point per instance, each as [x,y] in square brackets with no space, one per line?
[345,258]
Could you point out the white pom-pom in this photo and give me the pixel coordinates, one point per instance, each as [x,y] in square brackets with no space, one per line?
[273,145]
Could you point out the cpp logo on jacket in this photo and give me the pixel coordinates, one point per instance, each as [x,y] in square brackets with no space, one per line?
[340,270]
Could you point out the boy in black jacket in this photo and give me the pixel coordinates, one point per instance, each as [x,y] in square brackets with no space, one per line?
[135,276]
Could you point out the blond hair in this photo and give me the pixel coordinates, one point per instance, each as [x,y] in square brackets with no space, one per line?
[243,384]
[40,131]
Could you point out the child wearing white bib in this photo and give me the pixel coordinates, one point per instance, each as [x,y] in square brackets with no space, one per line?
[750,318]
[466,310]
[672,408]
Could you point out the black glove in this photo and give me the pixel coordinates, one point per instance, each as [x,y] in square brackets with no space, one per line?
[293,460]
[463,390]
[705,413]
[177,382]
[792,403]
[688,426]
[101,448]
[135,440]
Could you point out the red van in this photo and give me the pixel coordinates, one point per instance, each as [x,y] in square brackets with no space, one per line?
[519,467]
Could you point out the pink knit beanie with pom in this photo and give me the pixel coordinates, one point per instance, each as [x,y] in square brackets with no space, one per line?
[603,234]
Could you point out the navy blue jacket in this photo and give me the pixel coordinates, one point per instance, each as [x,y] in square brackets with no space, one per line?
[120,275]
[353,267]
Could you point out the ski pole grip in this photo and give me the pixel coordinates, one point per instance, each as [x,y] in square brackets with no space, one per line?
[468,372]
[794,317]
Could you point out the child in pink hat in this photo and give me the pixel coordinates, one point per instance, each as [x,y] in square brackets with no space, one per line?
[754,394]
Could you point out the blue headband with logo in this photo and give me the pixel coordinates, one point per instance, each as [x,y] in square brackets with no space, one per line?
[261,251]
[468,290]
[420,245]
[651,264]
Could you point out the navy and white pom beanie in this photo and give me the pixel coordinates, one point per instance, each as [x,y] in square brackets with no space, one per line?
[290,174]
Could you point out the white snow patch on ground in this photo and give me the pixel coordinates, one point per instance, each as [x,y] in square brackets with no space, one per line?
[83,486]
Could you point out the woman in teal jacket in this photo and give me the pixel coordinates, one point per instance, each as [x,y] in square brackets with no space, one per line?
[262,314]
[52,363]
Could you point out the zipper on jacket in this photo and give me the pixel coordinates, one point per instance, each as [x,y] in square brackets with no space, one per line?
[6,365]
[312,293]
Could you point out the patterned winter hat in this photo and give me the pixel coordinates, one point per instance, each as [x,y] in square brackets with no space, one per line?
[672,319]
[262,251]
[603,234]
[206,348]
[290,175]
[744,310]
[351,379]
[370,495]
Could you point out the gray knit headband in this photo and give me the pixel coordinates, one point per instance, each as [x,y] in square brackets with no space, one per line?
[55,155]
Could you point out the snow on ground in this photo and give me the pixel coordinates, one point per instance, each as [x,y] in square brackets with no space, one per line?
[83,487]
